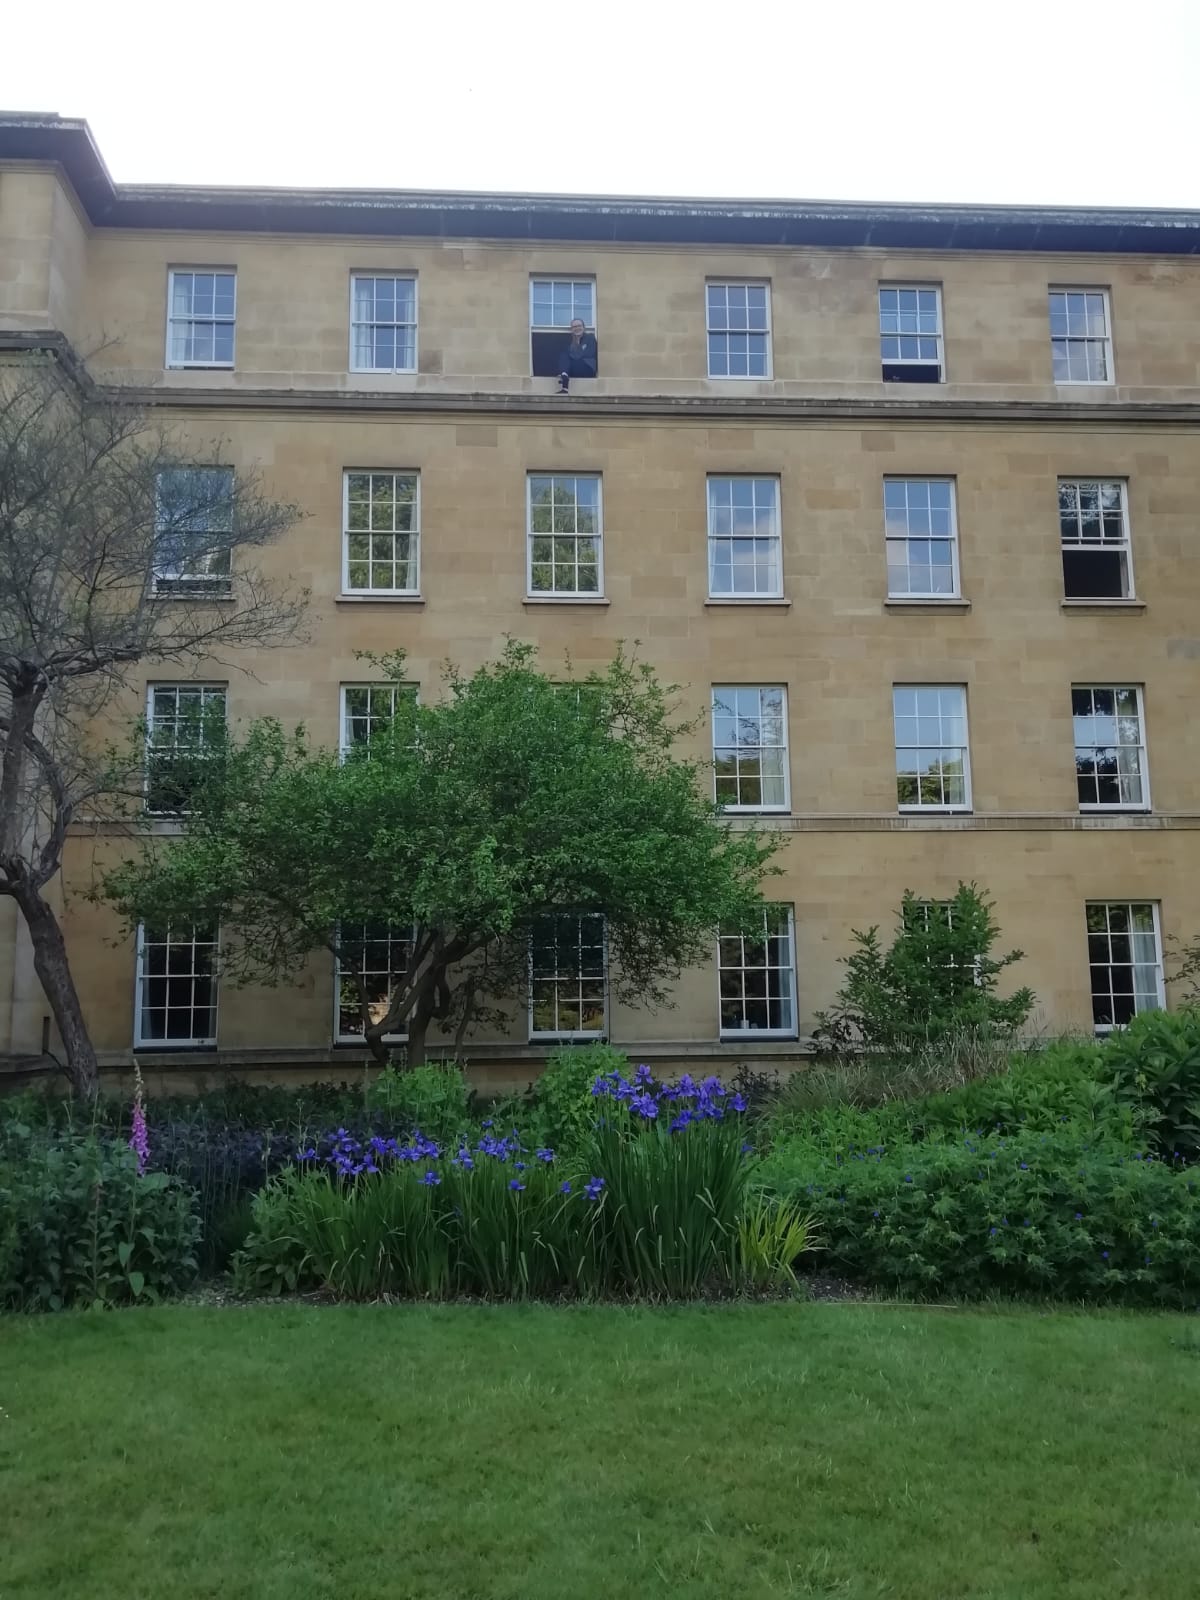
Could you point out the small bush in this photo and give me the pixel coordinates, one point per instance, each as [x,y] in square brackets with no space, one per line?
[433,1098]
[859,1103]
[937,978]
[1054,1214]
[80,1226]
[1153,1066]
[563,1096]
[772,1235]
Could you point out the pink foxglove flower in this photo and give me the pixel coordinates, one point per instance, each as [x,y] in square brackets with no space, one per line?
[139,1140]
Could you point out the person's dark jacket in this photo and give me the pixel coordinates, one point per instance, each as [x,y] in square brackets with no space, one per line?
[580,361]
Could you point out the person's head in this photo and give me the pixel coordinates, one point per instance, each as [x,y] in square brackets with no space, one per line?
[576,327]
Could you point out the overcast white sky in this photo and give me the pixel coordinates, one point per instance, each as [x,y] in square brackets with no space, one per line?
[1062,101]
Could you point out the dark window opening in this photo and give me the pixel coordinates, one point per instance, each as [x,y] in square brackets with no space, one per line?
[912,372]
[547,350]
[1092,574]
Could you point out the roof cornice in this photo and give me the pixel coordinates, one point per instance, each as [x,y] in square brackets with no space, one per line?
[1052,230]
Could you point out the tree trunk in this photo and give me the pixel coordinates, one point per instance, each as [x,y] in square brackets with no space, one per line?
[54,971]
[418,1027]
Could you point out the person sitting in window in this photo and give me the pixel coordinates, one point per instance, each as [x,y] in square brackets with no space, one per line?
[579,357]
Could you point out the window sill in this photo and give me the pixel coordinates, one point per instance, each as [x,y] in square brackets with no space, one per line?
[935,811]
[747,1035]
[717,601]
[357,1042]
[565,600]
[222,597]
[1115,811]
[199,366]
[379,600]
[553,1039]
[926,602]
[165,1047]
[1103,605]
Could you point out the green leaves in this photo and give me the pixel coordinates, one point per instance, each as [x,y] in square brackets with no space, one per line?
[1153,1066]
[80,1227]
[463,819]
[937,978]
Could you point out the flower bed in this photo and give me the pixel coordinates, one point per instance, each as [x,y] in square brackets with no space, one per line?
[652,1204]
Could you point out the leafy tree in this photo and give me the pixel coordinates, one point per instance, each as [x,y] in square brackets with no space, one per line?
[511,797]
[937,979]
[117,549]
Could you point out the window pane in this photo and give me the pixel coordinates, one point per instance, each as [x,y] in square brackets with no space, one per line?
[566,958]
[914,511]
[931,746]
[1125,966]
[750,746]
[756,976]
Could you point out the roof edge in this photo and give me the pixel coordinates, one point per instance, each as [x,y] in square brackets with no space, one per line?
[69,144]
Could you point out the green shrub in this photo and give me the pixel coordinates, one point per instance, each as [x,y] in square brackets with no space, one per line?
[937,978]
[563,1093]
[1153,1066]
[1041,1091]
[1055,1214]
[273,1259]
[79,1226]
[433,1098]
[856,1104]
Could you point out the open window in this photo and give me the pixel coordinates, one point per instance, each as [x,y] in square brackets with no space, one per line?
[1093,515]
[910,333]
[554,303]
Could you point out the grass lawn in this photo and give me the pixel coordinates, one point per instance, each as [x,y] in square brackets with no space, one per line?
[472,1453]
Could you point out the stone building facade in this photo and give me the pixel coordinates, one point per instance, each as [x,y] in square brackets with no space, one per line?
[904,496]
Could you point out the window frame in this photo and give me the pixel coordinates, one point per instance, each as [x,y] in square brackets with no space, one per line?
[397,687]
[561,1036]
[152,687]
[910,361]
[408,277]
[168,585]
[739,808]
[340,1037]
[200,366]
[1144,804]
[193,1041]
[564,594]
[1155,907]
[1125,547]
[732,538]
[553,278]
[1110,378]
[768,332]
[917,808]
[792,1032]
[560,330]
[414,533]
[908,538]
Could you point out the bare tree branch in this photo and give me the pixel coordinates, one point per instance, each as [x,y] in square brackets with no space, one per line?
[118,548]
